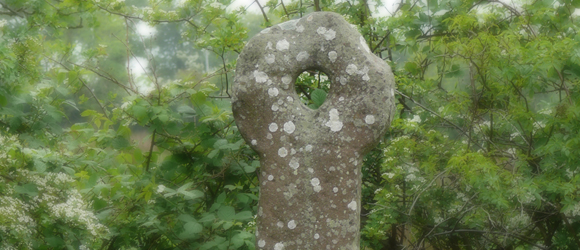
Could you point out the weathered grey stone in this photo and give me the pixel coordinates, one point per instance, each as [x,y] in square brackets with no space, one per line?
[310,159]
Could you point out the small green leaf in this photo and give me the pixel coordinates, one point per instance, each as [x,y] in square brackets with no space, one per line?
[140,112]
[192,228]
[186,109]
[226,213]
[29,189]
[207,218]
[193,194]
[318,97]
[221,198]
[244,215]
[186,218]
[39,165]
[228,225]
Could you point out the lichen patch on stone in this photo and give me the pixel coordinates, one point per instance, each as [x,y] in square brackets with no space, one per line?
[328,34]
[289,25]
[273,127]
[343,80]
[282,45]
[315,181]
[294,164]
[303,55]
[260,76]
[279,246]
[282,152]
[273,92]
[334,122]
[370,119]
[351,69]
[332,55]
[352,205]
[289,127]
[270,58]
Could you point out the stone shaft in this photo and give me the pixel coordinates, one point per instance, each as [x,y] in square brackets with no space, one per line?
[310,178]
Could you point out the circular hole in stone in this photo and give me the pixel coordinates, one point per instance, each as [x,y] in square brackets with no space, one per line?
[312,87]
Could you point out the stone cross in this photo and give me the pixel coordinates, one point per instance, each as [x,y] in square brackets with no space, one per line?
[310,177]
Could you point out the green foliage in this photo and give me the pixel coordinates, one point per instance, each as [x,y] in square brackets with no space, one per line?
[115,138]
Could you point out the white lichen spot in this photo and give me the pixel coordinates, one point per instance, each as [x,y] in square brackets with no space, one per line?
[290,25]
[275,107]
[392,92]
[315,181]
[254,142]
[261,243]
[366,77]
[292,151]
[332,55]
[308,148]
[273,92]
[303,55]
[335,189]
[300,28]
[341,99]
[270,177]
[273,127]
[311,170]
[280,224]
[363,71]
[351,69]
[289,99]
[334,122]
[291,224]
[269,45]
[261,77]
[317,188]
[294,164]
[352,205]
[269,136]
[370,119]
[279,246]
[343,80]
[286,81]
[270,58]
[289,127]
[282,45]
[316,236]
[328,34]
[282,152]
[363,43]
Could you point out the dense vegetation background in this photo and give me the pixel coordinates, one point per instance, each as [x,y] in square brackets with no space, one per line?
[114,135]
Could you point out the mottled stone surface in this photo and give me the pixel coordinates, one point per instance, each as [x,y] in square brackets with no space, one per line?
[310,159]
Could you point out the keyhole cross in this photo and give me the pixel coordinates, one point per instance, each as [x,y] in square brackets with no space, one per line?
[310,177]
